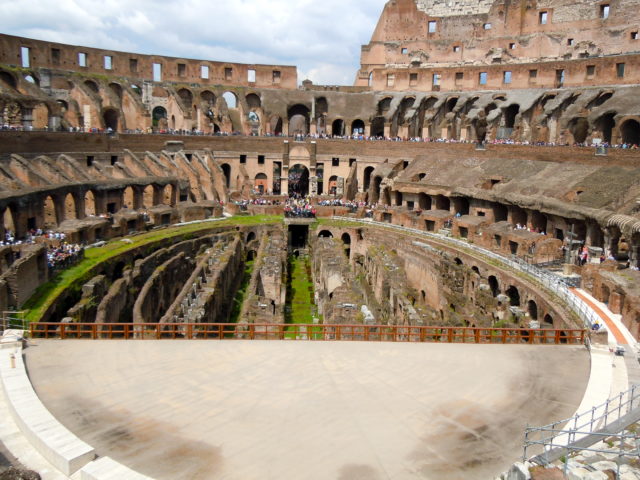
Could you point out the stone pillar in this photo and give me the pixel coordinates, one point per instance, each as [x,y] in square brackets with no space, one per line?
[157,194]
[100,199]
[313,149]
[138,193]
[78,199]
[367,130]
[60,208]
[387,130]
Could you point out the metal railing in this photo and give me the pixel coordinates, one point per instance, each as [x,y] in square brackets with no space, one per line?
[311,332]
[579,433]
[12,320]
[552,282]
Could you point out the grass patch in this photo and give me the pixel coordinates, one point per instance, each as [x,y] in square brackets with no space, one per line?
[299,292]
[241,294]
[72,277]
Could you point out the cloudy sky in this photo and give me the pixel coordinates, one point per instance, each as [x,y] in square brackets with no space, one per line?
[322,38]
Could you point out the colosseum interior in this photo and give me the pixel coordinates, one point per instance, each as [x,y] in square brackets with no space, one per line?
[145,196]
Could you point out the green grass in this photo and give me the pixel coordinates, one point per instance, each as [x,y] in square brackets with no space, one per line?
[73,277]
[299,292]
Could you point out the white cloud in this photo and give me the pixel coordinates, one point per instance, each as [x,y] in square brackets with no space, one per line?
[323,40]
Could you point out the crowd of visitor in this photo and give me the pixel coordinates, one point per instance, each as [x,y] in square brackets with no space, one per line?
[299,207]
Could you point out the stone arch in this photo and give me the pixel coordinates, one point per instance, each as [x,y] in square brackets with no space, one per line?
[7,80]
[253,101]
[510,114]
[451,104]
[89,203]
[186,97]
[147,196]
[384,106]
[260,183]
[49,211]
[532,309]
[375,193]
[514,296]
[275,125]
[606,123]
[630,132]
[111,119]
[357,127]
[346,238]
[32,78]
[298,116]
[251,236]
[489,108]
[70,207]
[548,319]
[91,85]
[325,234]
[476,269]
[377,127]
[579,128]
[367,178]
[494,285]
[458,261]
[208,97]
[299,180]
[136,89]
[600,99]
[230,99]
[337,127]
[226,171]
[159,117]
[116,89]
[322,107]
[461,205]
[424,201]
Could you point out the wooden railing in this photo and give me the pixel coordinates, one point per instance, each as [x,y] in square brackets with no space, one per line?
[375,333]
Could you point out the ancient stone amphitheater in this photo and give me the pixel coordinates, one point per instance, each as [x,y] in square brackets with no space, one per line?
[484,163]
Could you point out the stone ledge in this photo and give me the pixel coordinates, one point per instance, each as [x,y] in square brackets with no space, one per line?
[106,468]
[53,441]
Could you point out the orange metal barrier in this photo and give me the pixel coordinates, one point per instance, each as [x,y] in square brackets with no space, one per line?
[235,331]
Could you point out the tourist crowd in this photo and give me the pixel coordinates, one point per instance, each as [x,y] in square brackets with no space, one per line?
[299,207]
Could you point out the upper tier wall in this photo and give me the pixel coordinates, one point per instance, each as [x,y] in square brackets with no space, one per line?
[140,67]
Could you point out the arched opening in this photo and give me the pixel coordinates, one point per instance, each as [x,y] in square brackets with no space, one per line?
[458,261]
[253,101]
[630,131]
[92,86]
[384,106]
[489,108]
[424,201]
[548,319]
[500,212]
[230,99]
[89,203]
[357,127]
[494,286]
[325,234]
[116,89]
[110,117]
[251,255]
[50,219]
[337,127]
[7,80]
[346,238]
[70,212]
[450,105]
[532,308]
[600,99]
[159,117]
[399,198]
[333,184]
[275,125]
[442,203]
[147,196]
[260,183]
[514,296]
[226,171]
[510,115]
[539,221]
[32,79]
[377,127]
[476,269]
[375,194]
[127,198]
[298,180]
[186,98]
[579,128]
[298,120]
[461,205]
[518,216]
[367,178]
[208,97]
[251,237]
[605,124]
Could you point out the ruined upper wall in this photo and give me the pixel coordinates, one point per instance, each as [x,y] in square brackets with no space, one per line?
[58,56]
[433,39]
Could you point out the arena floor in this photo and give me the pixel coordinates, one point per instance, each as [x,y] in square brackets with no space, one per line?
[299,410]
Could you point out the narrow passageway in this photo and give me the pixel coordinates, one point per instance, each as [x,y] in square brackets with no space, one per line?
[300,304]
